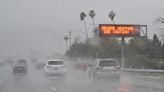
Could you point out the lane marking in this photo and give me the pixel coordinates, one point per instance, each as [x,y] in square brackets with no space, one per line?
[53,89]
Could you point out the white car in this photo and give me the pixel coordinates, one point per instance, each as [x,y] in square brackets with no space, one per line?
[109,68]
[55,67]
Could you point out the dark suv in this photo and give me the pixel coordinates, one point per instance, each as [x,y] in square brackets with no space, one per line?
[20,67]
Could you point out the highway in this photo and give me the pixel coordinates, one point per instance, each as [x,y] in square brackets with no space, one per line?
[75,81]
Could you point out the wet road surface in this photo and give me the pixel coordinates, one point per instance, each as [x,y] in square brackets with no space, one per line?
[75,81]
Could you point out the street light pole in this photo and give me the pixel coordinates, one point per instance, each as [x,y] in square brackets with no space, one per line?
[70,38]
[122,53]
[66,39]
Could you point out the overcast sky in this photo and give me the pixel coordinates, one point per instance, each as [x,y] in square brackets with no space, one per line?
[42,24]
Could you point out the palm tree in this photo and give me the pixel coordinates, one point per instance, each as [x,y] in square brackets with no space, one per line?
[160,20]
[82,18]
[92,15]
[111,16]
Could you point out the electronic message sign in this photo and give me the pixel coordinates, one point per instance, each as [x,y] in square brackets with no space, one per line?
[119,30]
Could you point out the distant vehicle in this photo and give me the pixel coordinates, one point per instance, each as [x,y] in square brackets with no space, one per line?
[2,61]
[20,67]
[81,66]
[7,61]
[10,62]
[40,65]
[55,67]
[105,68]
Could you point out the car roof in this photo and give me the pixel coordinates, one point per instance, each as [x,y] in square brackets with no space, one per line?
[21,60]
[55,60]
[106,59]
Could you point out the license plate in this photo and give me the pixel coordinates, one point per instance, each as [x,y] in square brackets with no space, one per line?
[55,68]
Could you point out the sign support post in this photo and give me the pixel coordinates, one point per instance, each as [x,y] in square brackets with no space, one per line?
[122,53]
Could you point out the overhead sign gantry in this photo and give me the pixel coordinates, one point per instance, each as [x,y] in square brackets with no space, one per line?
[122,30]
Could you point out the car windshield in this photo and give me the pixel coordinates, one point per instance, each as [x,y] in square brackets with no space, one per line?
[55,62]
[106,63]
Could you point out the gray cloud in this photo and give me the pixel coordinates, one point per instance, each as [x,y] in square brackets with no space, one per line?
[45,22]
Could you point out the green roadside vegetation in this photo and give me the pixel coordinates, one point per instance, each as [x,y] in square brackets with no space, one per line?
[140,52]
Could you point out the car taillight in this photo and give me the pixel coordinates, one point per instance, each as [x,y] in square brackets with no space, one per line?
[98,68]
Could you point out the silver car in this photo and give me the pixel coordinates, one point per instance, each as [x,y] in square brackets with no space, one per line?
[106,68]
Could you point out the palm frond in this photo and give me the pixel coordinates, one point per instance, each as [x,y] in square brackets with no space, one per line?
[92,13]
[82,16]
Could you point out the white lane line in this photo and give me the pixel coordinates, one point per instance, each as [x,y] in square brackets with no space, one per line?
[53,89]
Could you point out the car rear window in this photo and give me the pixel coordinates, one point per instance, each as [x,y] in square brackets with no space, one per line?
[21,61]
[104,63]
[55,62]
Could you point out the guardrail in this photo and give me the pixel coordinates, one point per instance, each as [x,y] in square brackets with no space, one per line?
[155,71]
[144,70]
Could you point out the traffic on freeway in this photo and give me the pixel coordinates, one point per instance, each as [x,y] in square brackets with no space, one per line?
[76,80]
[81,46]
